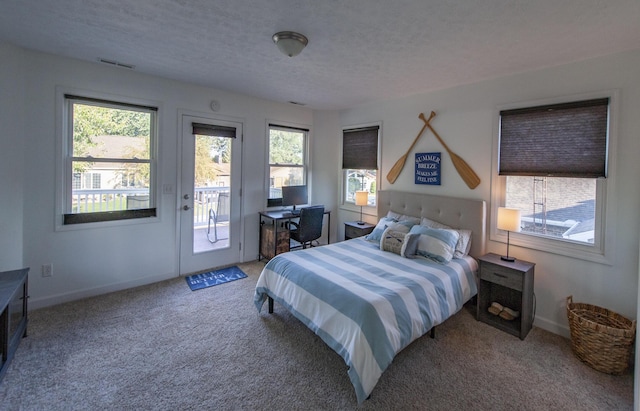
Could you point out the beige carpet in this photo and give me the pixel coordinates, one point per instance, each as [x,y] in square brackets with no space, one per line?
[165,347]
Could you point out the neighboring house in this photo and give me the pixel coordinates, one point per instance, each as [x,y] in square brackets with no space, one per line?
[280,176]
[223,175]
[570,216]
[107,175]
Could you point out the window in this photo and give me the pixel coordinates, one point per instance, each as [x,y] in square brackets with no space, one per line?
[557,207]
[108,160]
[360,162]
[287,160]
[553,163]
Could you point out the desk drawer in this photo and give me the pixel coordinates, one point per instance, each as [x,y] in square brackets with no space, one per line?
[272,244]
[501,275]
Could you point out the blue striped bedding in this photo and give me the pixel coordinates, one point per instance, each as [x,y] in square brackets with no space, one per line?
[366,304]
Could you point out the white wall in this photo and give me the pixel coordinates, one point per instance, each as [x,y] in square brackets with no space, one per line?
[326,164]
[465,120]
[92,261]
[11,156]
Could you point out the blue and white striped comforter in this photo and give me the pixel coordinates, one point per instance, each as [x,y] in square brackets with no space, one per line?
[366,304]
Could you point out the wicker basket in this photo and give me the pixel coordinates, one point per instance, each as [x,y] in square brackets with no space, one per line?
[601,338]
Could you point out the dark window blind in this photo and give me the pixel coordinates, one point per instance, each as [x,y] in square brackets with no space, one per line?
[99,216]
[214,131]
[559,140]
[360,148]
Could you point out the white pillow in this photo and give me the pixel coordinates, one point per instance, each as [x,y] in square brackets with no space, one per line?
[432,224]
[438,244]
[403,218]
[464,243]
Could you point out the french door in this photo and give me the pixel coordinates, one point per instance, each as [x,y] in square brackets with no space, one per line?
[210,203]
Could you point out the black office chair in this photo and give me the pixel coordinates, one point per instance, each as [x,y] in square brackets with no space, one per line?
[309,226]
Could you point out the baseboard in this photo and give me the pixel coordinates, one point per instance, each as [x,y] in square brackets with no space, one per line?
[35,303]
[551,326]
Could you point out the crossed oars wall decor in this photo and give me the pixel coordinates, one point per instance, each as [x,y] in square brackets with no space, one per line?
[466,172]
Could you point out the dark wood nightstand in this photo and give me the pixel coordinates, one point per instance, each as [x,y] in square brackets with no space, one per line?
[511,285]
[13,317]
[352,229]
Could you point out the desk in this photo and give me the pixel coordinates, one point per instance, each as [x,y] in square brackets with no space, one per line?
[274,236]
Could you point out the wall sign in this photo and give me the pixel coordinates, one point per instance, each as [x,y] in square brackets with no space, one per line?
[428,168]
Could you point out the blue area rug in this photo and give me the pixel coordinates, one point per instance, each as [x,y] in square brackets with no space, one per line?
[211,278]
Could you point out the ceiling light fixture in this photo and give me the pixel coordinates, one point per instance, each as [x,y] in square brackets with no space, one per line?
[290,43]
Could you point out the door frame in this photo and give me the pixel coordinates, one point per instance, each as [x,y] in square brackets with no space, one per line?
[207,118]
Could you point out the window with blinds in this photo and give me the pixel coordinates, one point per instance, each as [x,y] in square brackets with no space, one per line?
[360,162]
[560,140]
[360,148]
[554,159]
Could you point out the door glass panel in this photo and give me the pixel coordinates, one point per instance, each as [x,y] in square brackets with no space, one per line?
[211,198]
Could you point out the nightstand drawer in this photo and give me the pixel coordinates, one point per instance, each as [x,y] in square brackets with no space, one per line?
[501,275]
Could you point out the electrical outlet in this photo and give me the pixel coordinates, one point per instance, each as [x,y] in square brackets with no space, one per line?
[47,270]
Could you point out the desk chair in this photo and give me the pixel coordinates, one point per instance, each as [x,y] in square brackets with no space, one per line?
[309,226]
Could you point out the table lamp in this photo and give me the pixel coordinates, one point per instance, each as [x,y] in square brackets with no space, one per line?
[508,220]
[362,199]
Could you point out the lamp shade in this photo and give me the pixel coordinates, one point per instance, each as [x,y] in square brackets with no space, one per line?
[290,43]
[362,198]
[508,219]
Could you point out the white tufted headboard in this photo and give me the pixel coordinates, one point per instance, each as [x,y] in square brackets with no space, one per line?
[454,212]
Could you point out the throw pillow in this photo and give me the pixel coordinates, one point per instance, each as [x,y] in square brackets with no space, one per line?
[436,243]
[376,235]
[392,241]
[464,241]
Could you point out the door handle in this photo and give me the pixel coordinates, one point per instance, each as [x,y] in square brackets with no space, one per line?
[186,196]
[186,208]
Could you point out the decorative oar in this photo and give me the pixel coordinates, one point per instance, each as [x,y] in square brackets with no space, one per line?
[399,165]
[467,174]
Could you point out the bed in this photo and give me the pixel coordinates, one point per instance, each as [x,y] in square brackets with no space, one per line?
[368,304]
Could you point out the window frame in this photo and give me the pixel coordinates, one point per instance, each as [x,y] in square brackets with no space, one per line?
[603,249]
[306,159]
[64,150]
[350,205]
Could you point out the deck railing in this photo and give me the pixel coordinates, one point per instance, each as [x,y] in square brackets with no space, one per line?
[204,199]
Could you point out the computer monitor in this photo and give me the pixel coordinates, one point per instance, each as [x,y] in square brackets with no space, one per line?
[294,195]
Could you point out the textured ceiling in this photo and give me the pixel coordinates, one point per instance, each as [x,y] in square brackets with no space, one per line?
[359,50]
